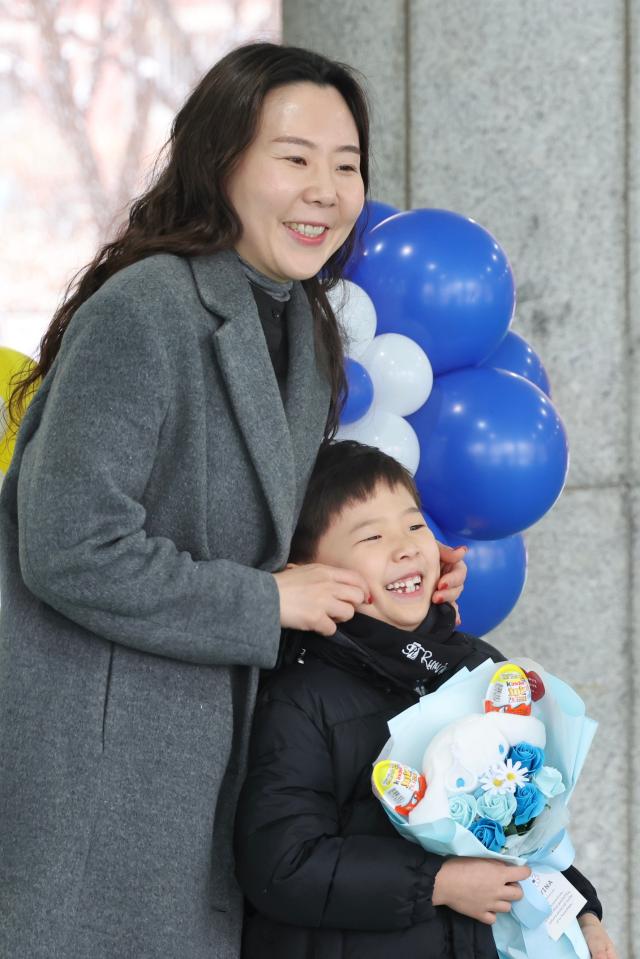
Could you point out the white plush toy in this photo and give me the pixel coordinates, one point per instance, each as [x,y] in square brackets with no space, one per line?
[461,752]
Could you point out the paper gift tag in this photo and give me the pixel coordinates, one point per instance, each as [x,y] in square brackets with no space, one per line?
[564,899]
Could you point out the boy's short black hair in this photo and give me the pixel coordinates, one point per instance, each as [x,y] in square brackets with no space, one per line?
[344,472]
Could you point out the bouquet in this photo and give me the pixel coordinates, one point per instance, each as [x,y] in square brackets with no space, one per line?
[496,783]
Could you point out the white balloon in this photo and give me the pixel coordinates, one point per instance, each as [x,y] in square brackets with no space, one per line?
[389,433]
[356,315]
[401,373]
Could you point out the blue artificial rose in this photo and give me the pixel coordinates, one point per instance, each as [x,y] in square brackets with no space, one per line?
[462,809]
[497,806]
[530,756]
[489,832]
[530,803]
[549,781]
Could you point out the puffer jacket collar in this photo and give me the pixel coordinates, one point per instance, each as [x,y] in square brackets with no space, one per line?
[419,660]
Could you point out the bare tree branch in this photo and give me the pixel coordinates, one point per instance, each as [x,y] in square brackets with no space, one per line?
[14,11]
[69,117]
[144,92]
[126,42]
[105,32]
[180,39]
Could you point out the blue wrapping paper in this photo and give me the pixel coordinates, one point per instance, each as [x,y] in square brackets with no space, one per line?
[521,933]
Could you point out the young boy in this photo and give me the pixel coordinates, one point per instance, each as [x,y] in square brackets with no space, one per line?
[326,875]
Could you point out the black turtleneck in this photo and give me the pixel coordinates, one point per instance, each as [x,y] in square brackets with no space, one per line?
[272,313]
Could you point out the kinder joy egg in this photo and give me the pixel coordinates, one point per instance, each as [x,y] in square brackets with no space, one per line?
[398,786]
[509,691]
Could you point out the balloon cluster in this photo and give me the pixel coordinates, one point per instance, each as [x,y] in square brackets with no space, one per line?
[437,380]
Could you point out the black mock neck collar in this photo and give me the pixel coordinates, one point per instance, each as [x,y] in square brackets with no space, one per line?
[419,660]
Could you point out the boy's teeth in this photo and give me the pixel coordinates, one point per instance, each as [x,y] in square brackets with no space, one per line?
[306,229]
[408,585]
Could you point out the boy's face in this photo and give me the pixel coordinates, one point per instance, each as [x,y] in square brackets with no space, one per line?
[387,541]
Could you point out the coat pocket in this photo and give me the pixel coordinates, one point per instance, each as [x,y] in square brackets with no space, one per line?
[107,687]
[167,732]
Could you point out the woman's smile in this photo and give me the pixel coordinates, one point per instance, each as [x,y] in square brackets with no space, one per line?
[313,234]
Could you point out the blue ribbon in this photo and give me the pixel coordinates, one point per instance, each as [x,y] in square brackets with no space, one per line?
[533,909]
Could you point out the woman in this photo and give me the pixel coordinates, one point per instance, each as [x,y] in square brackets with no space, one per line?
[188,381]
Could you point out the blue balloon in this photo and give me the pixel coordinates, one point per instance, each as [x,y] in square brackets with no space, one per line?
[493,453]
[373,212]
[440,279]
[360,391]
[515,355]
[495,580]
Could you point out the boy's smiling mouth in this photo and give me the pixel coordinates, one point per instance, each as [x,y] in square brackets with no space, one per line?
[410,585]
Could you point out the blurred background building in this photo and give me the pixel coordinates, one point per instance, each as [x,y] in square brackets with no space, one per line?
[88,89]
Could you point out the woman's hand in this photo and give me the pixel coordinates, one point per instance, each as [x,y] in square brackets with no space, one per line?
[316,597]
[478,888]
[600,946]
[453,572]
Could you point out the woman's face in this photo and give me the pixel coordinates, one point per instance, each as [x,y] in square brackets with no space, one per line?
[297,188]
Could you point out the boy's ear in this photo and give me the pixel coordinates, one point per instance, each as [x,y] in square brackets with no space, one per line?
[292,565]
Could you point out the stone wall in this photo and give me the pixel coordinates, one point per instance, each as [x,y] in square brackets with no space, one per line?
[525,116]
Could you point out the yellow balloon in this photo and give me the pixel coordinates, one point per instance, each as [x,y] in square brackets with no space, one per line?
[11,362]
[7,444]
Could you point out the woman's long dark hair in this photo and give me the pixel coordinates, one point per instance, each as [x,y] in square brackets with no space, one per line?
[186,210]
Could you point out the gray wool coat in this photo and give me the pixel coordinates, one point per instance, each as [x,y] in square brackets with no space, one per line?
[156,482]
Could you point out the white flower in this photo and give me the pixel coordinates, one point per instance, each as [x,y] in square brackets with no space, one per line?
[504,777]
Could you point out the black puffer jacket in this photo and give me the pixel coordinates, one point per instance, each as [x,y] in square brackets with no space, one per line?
[325,873]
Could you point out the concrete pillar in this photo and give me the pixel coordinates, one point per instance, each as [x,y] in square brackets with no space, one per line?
[371,36]
[525,116]
[631,379]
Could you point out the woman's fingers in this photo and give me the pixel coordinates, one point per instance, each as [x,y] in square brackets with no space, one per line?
[336,613]
[341,612]
[451,555]
[453,572]
[326,626]
[350,578]
[311,595]
[348,594]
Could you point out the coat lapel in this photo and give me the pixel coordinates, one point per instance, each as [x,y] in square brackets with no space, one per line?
[282,446]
